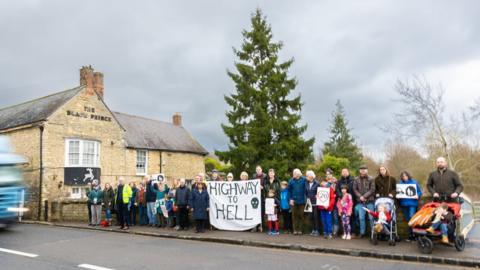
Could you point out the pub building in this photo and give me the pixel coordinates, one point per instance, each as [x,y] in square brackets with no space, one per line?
[72,137]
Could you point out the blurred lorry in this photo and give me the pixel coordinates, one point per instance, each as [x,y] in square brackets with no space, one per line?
[12,190]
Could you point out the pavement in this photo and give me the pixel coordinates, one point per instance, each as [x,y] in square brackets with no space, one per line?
[403,251]
[33,246]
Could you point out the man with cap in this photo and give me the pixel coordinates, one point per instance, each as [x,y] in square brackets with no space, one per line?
[444,183]
[364,190]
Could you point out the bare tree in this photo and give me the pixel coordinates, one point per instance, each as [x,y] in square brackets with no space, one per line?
[423,113]
[475,109]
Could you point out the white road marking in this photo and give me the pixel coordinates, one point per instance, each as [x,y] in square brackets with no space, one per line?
[93,267]
[18,253]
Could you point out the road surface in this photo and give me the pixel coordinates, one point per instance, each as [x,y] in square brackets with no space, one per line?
[38,247]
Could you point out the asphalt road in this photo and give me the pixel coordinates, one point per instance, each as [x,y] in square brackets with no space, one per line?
[62,248]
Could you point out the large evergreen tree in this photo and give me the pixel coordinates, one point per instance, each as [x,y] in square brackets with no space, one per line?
[341,143]
[264,119]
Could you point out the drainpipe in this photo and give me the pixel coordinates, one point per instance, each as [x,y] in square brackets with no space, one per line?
[39,214]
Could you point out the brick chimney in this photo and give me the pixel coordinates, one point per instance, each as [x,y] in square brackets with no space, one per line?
[177,119]
[92,80]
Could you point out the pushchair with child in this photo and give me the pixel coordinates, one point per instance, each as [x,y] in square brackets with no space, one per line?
[457,227]
[384,226]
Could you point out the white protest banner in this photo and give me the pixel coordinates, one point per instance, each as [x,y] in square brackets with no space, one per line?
[270,206]
[323,196]
[406,191]
[235,206]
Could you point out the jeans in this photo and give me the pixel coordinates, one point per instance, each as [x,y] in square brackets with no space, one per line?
[443,227]
[108,214]
[360,213]
[326,221]
[298,218]
[315,219]
[151,213]
[408,212]
[335,220]
[142,209]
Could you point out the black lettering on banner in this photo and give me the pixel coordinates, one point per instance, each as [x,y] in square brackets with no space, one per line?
[220,210]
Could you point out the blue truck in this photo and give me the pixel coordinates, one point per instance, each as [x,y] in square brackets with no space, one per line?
[12,190]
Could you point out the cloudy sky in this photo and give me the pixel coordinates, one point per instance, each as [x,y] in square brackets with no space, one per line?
[160,57]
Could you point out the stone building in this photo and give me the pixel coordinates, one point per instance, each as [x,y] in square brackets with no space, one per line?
[72,137]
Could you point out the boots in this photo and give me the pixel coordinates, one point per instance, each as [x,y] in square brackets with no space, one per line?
[430,230]
[445,239]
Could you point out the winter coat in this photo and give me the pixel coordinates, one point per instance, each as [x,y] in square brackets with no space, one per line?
[151,195]
[364,186]
[160,194]
[411,202]
[385,185]
[126,193]
[96,196]
[140,199]
[331,204]
[297,190]
[199,202]
[284,199]
[311,192]
[388,216]
[275,185]
[345,204]
[134,195]
[444,183]
[182,195]
[348,181]
[109,198]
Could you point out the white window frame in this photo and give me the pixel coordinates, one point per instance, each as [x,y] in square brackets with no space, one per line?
[146,162]
[77,194]
[96,161]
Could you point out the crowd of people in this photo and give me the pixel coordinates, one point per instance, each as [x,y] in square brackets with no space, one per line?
[350,206]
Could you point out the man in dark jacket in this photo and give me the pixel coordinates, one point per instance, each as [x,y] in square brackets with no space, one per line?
[364,189]
[151,197]
[182,196]
[443,182]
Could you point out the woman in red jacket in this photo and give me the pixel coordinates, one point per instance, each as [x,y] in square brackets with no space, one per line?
[326,211]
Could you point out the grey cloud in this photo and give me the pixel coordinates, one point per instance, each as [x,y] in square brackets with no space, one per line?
[160,57]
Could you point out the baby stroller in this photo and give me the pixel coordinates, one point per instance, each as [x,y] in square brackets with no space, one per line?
[422,220]
[389,231]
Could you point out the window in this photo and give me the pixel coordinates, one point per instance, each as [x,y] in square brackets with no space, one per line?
[82,153]
[76,193]
[142,162]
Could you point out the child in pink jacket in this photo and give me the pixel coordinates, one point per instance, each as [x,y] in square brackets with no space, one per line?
[344,206]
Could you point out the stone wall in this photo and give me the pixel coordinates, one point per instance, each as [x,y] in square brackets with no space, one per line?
[182,165]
